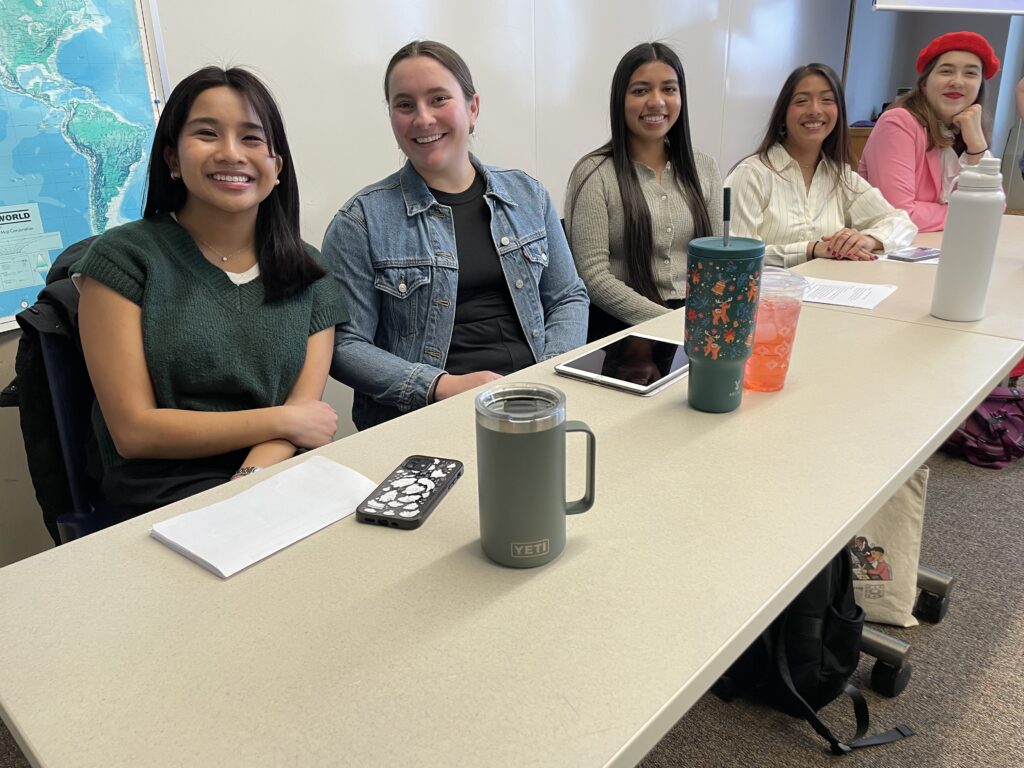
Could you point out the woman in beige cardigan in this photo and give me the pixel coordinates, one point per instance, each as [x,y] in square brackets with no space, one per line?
[633,205]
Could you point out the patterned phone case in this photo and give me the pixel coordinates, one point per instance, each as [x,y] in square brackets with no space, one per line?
[410,493]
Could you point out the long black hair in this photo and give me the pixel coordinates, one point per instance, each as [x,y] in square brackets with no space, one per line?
[285,266]
[639,238]
[836,146]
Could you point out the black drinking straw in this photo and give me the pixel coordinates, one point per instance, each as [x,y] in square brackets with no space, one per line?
[726,214]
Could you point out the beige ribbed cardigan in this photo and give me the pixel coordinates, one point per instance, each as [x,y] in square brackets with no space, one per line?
[595,224]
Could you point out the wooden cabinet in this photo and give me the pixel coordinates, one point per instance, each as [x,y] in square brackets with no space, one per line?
[858,138]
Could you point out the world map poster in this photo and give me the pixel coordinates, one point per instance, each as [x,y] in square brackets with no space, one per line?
[79,98]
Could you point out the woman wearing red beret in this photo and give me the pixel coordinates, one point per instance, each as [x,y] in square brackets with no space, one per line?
[918,146]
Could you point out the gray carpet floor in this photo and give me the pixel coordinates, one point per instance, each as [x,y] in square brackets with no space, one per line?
[966,697]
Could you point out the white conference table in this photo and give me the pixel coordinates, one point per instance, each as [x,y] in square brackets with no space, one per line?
[1004,311]
[370,646]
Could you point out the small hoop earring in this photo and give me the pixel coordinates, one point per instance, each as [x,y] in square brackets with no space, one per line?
[782,130]
[174,176]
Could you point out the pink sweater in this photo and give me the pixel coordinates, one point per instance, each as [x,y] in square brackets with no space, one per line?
[897,160]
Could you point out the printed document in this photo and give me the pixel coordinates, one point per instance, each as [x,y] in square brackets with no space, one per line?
[844,294]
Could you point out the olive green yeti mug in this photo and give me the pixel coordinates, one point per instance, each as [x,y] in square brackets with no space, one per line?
[520,459]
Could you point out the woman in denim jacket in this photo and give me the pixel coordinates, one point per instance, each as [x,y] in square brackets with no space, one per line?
[454,272]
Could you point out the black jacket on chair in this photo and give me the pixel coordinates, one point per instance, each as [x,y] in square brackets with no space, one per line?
[55,312]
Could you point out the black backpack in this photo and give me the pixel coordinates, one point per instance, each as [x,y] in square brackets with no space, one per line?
[806,656]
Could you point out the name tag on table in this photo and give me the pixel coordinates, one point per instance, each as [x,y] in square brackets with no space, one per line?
[235,533]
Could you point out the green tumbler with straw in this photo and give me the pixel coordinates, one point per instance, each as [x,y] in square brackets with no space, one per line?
[723,288]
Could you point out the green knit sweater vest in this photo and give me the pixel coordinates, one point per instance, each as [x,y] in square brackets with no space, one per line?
[210,345]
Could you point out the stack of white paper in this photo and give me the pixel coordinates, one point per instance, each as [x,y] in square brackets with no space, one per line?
[233,534]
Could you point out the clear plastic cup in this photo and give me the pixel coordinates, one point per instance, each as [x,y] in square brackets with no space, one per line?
[778,311]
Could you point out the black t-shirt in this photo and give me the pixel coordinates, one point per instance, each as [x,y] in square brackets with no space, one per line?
[487,334]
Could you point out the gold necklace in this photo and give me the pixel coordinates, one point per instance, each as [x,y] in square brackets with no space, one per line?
[220,255]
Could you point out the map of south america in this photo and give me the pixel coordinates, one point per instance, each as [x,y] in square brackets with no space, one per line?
[77,111]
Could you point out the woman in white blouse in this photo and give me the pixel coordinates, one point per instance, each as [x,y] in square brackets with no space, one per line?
[799,194]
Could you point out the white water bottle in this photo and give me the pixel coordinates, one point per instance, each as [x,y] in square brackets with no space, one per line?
[969,243]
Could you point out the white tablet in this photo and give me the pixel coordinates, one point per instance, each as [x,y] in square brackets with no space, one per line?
[635,363]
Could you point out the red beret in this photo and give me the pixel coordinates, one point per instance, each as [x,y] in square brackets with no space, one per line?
[971,42]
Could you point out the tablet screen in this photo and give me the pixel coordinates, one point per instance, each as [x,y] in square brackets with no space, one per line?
[640,362]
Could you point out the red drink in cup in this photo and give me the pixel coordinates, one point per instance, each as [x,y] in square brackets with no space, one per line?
[777,316]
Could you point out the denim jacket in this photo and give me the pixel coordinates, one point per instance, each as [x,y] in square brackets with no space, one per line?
[392,250]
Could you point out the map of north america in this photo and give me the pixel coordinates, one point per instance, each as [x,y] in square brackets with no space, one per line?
[77,111]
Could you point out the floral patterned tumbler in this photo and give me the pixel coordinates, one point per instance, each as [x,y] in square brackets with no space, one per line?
[723,287]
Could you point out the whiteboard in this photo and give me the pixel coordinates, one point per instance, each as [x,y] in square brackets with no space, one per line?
[543,69]
[952,6]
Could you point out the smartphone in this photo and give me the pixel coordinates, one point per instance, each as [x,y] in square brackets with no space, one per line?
[914,254]
[409,494]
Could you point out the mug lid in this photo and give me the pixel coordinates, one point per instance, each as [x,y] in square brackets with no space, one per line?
[520,407]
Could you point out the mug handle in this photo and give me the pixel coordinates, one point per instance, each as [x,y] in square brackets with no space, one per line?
[582,505]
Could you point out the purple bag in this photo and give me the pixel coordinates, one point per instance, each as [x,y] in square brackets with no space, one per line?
[993,435]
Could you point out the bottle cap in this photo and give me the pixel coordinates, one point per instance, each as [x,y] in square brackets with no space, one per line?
[984,175]
[717,248]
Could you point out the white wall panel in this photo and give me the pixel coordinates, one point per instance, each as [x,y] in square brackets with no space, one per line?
[767,40]
[543,69]
[578,45]
[326,67]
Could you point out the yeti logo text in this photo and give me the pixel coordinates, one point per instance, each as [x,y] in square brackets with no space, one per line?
[531,548]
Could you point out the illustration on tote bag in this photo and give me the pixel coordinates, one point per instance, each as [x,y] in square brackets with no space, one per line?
[869,563]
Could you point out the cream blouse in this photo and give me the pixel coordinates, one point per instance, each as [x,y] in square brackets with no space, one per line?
[775,206]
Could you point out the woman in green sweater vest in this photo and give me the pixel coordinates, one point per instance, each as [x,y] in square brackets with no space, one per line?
[208,325]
